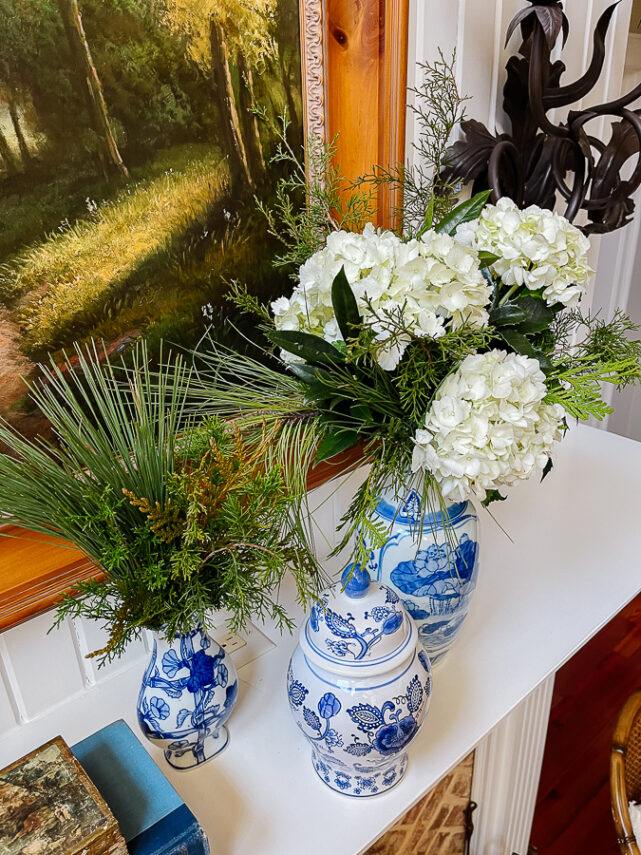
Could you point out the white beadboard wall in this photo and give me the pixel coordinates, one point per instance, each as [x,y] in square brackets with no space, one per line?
[619,281]
[41,669]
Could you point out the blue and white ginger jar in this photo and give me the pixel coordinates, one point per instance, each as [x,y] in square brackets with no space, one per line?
[434,574]
[188,692]
[359,686]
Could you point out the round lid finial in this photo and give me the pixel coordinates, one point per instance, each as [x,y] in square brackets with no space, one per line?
[355,581]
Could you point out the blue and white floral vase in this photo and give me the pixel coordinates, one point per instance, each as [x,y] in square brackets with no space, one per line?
[188,692]
[359,686]
[434,572]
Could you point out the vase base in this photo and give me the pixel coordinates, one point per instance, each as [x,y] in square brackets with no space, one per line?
[364,784]
[187,755]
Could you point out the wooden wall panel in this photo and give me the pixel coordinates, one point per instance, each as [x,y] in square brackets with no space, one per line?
[34,571]
[366,74]
[352,66]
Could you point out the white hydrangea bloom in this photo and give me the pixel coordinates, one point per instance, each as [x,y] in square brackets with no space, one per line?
[536,248]
[434,280]
[488,425]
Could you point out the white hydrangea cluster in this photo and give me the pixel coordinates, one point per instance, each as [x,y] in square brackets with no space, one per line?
[536,248]
[488,425]
[433,280]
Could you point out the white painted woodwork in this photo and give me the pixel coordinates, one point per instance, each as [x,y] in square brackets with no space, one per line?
[570,567]
[618,280]
[475,30]
[507,767]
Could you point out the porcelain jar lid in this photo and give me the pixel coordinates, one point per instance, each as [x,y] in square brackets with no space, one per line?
[358,627]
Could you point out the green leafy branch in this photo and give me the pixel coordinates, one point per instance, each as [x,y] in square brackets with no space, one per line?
[439,108]
[577,385]
[313,200]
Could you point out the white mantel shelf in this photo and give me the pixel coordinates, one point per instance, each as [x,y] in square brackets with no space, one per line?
[572,564]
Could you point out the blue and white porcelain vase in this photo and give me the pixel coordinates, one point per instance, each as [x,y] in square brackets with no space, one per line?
[188,691]
[434,574]
[359,686]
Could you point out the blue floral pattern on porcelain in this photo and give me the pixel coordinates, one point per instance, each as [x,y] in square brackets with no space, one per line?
[185,700]
[361,698]
[435,576]
[348,642]
[368,784]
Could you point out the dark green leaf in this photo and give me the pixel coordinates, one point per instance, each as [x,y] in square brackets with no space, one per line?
[335,443]
[537,295]
[520,344]
[538,315]
[492,496]
[547,468]
[311,348]
[429,218]
[508,315]
[487,258]
[464,212]
[345,307]
[304,372]
[362,412]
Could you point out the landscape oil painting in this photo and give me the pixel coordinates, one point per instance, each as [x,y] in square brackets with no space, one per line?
[135,139]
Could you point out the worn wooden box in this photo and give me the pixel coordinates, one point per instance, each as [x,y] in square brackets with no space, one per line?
[48,806]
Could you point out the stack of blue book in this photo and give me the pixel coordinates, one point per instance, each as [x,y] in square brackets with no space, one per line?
[153,818]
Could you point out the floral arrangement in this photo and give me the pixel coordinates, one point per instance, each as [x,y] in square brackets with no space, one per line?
[453,356]
[182,514]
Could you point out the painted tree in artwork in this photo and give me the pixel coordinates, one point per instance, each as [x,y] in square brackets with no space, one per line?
[9,84]
[10,95]
[286,33]
[7,157]
[249,25]
[227,36]
[89,81]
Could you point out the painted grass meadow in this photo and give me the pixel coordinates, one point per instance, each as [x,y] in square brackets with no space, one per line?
[131,158]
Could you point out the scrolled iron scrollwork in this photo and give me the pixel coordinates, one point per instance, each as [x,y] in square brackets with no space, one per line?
[540,161]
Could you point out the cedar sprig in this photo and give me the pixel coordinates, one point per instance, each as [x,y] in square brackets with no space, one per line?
[164,521]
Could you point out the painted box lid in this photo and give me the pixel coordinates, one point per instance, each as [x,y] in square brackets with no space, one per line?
[49,806]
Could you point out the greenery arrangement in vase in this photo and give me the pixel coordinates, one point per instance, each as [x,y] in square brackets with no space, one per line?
[181,514]
[452,351]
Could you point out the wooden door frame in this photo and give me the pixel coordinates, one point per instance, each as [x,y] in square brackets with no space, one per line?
[366,49]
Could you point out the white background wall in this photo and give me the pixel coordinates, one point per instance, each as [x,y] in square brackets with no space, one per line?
[476,29]
[618,281]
